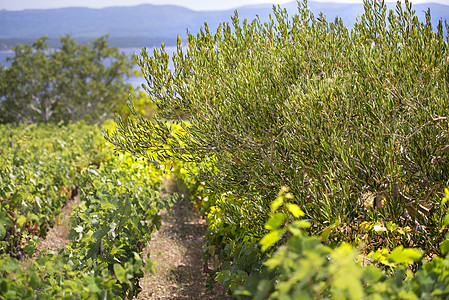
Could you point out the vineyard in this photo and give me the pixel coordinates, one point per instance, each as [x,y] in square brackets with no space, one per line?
[118,212]
[316,154]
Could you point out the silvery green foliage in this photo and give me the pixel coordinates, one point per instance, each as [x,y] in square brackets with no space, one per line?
[332,113]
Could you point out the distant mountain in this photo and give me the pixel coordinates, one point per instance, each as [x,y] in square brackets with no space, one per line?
[150,25]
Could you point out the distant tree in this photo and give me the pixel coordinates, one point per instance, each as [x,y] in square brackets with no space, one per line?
[75,82]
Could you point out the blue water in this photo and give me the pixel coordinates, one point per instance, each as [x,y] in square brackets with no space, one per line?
[134,80]
[3,56]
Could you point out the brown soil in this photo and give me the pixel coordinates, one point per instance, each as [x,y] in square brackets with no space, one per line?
[58,236]
[176,249]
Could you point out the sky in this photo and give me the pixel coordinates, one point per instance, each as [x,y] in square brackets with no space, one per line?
[192,4]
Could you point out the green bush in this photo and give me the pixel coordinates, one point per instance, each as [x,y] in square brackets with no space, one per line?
[339,116]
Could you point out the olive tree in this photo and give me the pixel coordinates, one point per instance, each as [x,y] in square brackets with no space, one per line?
[75,82]
[352,121]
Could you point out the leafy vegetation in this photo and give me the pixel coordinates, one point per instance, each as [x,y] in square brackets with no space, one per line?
[353,122]
[76,82]
[118,212]
[304,268]
[39,170]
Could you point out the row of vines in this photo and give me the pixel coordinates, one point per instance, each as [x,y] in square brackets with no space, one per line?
[43,166]
[39,170]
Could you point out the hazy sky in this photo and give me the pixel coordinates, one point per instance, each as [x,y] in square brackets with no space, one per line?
[192,4]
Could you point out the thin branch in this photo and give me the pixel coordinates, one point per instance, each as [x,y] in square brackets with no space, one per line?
[270,162]
[443,149]
[188,132]
[422,126]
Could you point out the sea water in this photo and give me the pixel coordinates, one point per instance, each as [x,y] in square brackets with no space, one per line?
[136,81]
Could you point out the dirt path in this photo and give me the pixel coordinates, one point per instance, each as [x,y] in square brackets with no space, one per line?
[58,236]
[176,249]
